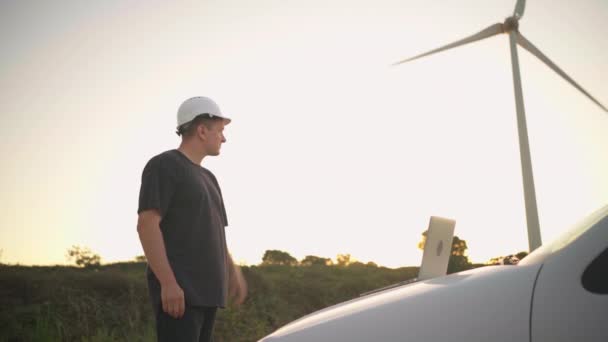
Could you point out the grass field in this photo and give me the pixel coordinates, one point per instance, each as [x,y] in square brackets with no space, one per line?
[110,303]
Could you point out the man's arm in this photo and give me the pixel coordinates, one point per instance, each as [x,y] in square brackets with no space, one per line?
[172,295]
[237,286]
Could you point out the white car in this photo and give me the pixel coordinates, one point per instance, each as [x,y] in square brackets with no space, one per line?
[557,293]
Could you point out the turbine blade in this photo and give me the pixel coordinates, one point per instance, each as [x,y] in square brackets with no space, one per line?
[519,9]
[526,44]
[487,32]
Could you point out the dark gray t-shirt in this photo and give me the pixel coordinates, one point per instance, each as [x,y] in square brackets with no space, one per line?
[190,203]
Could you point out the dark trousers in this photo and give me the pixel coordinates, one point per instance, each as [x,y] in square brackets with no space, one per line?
[195,326]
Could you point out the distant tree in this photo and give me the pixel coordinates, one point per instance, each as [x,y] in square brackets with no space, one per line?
[141,258]
[371,264]
[458,261]
[276,257]
[356,264]
[83,257]
[521,255]
[495,261]
[310,260]
[344,260]
[459,247]
[511,259]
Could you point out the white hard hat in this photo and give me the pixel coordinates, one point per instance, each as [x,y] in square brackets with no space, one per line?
[196,106]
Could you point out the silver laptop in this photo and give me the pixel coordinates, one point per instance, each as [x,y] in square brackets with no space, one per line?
[437,249]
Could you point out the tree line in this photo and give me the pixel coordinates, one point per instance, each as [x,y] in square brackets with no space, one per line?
[459,261]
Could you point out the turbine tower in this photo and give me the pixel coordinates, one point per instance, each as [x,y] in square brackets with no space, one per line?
[511,27]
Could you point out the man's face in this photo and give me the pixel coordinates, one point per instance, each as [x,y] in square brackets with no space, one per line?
[214,137]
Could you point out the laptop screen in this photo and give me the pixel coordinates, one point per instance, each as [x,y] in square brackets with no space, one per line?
[437,249]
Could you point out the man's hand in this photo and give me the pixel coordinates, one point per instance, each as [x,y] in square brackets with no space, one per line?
[237,286]
[172,297]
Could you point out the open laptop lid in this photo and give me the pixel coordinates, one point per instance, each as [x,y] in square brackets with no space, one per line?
[437,249]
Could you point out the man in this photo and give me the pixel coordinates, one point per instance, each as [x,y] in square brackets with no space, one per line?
[181,228]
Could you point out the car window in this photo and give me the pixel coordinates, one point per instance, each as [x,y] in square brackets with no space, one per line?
[594,278]
[543,252]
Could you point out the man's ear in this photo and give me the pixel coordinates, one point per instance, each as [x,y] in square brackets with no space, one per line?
[202,131]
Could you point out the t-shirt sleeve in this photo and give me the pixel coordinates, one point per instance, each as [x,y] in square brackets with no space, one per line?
[158,183]
[223,207]
[225,216]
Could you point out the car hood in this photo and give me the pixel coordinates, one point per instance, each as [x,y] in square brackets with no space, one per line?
[485,304]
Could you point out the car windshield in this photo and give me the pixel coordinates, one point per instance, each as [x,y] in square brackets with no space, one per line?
[543,252]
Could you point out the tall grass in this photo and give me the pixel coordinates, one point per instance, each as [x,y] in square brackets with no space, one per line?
[111,303]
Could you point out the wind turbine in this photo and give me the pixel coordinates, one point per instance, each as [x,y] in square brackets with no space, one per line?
[510,27]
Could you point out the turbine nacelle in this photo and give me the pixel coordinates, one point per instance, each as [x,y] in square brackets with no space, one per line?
[510,24]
